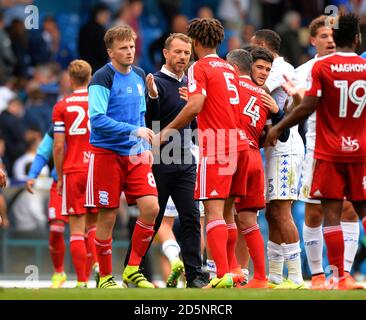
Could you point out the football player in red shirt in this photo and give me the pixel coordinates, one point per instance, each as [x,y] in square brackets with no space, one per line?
[214,98]
[72,152]
[337,92]
[257,110]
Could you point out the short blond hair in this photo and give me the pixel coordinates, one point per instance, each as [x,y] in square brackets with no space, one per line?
[80,71]
[316,24]
[180,36]
[124,32]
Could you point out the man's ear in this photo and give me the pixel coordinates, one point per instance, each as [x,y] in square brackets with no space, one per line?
[165,53]
[312,41]
[110,53]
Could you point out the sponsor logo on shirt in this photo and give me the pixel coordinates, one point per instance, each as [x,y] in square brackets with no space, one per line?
[87,155]
[349,144]
[364,182]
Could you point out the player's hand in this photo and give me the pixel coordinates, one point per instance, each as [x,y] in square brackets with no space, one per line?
[289,86]
[2,179]
[59,186]
[29,185]
[272,136]
[151,86]
[270,103]
[145,133]
[183,93]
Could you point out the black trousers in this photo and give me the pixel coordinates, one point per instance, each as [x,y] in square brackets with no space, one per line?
[178,181]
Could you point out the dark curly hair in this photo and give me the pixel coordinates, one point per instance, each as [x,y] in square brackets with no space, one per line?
[348,27]
[209,32]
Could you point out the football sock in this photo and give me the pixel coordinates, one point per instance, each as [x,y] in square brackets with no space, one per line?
[291,253]
[333,237]
[104,253]
[57,246]
[313,243]
[351,232]
[275,262]
[78,255]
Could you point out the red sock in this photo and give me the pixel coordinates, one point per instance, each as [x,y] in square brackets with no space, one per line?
[141,237]
[217,238]
[232,232]
[57,246]
[78,255]
[90,249]
[104,253]
[333,237]
[255,243]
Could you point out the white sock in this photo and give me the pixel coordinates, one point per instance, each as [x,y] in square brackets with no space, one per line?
[171,249]
[313,242]
[291,253]
[211,268]
[275,261]
[351,232]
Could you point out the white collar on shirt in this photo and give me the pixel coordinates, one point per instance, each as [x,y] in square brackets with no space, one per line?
[81,91]
[171,74]
[211,55]
[245,77]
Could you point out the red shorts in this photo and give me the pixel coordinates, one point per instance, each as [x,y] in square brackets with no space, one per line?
[54,205]
[74,194]
[219,179]
[336,180]
[255,198]
[110,174]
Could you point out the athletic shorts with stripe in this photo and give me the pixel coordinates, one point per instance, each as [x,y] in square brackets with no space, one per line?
[73,194]
[55,205]
[255,197]
[221,178]
[336,180]
[110,174]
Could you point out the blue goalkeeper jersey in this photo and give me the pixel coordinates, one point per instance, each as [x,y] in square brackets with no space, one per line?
[117,109]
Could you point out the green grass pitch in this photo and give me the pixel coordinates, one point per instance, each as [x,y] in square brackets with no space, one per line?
[178,294]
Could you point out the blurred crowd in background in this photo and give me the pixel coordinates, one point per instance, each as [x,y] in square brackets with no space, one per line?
[33,61]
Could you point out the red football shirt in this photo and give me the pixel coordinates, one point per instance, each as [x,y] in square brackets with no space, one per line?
[219,120]
[70,116]
[254,114]
[339,80]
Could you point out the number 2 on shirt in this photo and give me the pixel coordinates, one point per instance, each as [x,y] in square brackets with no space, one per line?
[75,127]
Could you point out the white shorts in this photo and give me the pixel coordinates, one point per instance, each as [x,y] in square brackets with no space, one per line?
[282,177]
[307,179]
[171,210]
